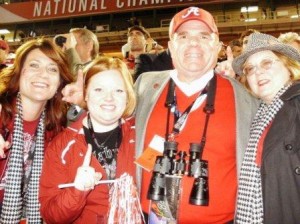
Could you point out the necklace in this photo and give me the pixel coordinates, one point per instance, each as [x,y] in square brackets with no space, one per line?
[92,132]
[105,147]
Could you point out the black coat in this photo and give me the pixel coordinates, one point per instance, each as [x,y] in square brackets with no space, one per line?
[152,62]
[281,163]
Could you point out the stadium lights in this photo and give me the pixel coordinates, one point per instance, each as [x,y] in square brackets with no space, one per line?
[249,9]
[251,20]
[4,31]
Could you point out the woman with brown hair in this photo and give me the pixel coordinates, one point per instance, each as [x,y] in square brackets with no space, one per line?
[32,113]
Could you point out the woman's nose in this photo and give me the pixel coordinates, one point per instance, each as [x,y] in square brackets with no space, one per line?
[43,71]
[108,95]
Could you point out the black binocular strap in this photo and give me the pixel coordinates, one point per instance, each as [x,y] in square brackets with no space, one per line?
[208,109]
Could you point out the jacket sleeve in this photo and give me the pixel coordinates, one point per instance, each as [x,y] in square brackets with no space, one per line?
[59,205]
[126,155]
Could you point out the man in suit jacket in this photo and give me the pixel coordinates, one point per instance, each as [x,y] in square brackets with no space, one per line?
[194,45]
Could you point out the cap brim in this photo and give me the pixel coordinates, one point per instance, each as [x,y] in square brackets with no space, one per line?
[280,48]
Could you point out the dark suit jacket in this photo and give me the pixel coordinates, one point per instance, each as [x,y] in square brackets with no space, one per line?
[152,62]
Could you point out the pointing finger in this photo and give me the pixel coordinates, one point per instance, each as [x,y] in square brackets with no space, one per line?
[88,156]
[79,81]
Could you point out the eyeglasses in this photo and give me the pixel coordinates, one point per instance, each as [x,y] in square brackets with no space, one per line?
[265,64]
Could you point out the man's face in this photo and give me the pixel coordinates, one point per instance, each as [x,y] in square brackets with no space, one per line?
[236,51]
[194,49]
[83,49]
[136,40]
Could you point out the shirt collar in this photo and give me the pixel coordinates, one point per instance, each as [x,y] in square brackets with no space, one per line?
[190,89]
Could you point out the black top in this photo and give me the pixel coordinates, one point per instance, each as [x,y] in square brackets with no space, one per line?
[153,62]
[106,149]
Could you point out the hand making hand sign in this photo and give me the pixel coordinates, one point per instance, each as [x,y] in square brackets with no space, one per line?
[73,92]
[225,67]
[86,177]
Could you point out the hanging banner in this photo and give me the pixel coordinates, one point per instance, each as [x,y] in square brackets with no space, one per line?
[53,9]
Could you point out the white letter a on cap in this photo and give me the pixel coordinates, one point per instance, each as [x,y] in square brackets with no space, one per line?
[191,10]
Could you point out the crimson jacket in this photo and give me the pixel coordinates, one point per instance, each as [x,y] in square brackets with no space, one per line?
[64,155]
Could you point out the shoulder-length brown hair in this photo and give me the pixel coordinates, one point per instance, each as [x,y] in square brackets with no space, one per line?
[10,77]
[103,63]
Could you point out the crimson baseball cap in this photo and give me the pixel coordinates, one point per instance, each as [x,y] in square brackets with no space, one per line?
[192,13]
[4,46]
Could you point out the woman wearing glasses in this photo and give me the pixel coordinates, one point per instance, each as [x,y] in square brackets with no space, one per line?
[269,183]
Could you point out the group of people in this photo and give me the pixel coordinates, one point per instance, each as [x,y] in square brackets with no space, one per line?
[247,130]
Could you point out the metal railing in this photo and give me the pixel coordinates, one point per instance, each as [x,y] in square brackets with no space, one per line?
[225,22]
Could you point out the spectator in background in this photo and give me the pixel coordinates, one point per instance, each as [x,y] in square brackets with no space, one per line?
[32,114]
[4,50]
[139,42]
[22,36]
[245,35]
[81,46]
[291,38]
[269,182]
[236,47]
[61,41]
[136,44]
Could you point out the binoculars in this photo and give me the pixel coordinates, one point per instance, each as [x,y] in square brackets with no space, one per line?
[175,164]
